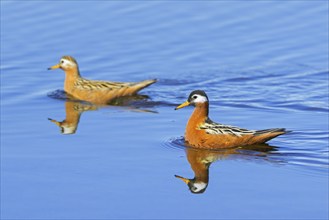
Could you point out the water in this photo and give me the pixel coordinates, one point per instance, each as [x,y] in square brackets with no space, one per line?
[263,64]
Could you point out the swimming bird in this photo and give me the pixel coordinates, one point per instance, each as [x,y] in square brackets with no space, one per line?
[202,132]
[98,92]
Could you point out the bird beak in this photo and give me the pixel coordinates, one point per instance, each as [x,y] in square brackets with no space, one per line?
[54,67]
[187,103]
[182,178]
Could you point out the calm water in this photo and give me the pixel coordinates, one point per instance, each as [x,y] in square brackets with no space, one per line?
[263,64]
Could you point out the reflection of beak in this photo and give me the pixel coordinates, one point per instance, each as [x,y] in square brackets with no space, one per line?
[54,67]
[187,103]
[182,178]
[55,122]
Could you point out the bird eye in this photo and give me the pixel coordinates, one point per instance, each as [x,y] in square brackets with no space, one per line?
[194,97]
[62,61]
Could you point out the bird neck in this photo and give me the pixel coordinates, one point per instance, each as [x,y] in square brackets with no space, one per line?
[200,113]
[71,75]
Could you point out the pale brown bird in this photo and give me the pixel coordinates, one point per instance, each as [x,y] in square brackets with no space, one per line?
[98,92]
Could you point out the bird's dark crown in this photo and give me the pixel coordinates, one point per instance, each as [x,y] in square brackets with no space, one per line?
[197,92]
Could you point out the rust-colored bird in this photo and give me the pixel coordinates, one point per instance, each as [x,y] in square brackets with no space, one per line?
[98,92]
[201,132]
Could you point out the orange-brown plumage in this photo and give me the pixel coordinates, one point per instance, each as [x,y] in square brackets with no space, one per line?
[98,92]
[201,132]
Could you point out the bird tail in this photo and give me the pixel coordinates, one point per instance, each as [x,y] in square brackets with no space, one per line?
[268,134]
[271,130]
[143,84]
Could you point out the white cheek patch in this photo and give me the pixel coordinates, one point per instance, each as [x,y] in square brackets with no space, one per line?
[67,63]
[200,99]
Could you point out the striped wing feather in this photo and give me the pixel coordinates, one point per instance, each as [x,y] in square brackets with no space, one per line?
[216,128]
[100,85]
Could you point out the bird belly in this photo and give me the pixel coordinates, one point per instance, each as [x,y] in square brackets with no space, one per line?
[99,96]
[201,139]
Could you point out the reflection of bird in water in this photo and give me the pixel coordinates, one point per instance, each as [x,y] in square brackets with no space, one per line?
[74,109]
[98,92]
[201,159]
[201,132]
[73,112]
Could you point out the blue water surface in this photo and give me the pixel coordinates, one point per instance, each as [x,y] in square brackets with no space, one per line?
[263,64]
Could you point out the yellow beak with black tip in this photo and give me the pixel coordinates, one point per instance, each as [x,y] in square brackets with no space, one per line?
[54,67]
[182,178]
[187,103]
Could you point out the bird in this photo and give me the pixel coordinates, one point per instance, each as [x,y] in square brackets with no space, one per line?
[95,91]
[202,132]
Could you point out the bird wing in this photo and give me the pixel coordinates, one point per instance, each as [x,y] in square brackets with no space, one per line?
[215,128]
[100,85]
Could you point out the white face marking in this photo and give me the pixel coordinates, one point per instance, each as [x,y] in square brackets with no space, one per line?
[196,98]
[197,187]
[65,64]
